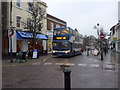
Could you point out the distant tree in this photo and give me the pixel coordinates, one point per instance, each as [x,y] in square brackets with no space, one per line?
[34,22]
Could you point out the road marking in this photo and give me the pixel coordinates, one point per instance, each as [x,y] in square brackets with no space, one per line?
[47,64]
[24,64]
[36,63]
[108,62]
[45,59]
[90,59]
[94,60]
[95,65]
[81,64]
[71,64]
[59,63]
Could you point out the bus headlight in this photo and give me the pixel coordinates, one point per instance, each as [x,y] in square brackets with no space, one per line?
[66,51]
[53,51]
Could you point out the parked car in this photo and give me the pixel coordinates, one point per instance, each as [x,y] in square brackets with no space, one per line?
[96,52]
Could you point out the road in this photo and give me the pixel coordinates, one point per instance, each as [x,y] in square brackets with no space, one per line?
[86,72]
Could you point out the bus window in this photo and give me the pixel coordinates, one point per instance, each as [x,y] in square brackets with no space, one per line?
[61,31]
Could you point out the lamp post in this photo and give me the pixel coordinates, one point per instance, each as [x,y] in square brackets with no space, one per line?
[101,40]
[11,60]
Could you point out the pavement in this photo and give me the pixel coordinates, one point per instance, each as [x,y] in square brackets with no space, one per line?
[110,58]
[29,61]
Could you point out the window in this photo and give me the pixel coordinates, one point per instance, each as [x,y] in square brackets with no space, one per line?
[18,4]
[18,20]
[39,11]
[52,26]
[30,6]
[61,31]
[57,25]
[29,23]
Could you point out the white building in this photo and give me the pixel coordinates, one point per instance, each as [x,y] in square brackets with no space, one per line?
[115,33]
[22,11]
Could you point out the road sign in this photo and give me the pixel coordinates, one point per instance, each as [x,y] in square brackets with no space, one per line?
[102,36]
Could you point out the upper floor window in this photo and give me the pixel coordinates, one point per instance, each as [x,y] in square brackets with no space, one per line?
[18,21]
[57,25]
[30,5]
[52,26]
[29,23]
[18,4]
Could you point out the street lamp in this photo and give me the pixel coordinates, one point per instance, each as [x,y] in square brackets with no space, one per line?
[101,41]
[11,60]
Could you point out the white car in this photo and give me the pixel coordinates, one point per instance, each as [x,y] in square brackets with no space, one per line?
[95,52]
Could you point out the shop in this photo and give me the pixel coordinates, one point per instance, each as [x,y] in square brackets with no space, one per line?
[24,42]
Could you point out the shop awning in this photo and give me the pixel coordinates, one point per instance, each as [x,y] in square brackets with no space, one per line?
[29,35]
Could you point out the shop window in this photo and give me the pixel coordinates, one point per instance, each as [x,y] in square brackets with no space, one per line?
[19,42]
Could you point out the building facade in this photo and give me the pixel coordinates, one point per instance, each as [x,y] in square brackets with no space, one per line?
[21,11]
[115,33]
[115,37]
[0,31]
[53,22]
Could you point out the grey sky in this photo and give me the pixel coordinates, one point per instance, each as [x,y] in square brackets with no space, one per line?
[84,14]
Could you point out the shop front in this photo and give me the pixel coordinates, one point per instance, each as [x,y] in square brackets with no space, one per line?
[24,42]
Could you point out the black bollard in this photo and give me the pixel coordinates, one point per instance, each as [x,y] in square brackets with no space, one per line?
[67,84]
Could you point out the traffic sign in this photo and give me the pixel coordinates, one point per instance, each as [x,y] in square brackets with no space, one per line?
[102,36]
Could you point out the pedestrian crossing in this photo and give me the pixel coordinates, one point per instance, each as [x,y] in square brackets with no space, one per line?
[109,67]
[68,64]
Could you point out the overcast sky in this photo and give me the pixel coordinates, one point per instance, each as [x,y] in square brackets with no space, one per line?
[85,14]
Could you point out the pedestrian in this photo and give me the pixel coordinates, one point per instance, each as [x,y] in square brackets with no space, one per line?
[88,48]
[105,49]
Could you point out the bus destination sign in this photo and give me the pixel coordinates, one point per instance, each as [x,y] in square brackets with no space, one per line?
[60,38]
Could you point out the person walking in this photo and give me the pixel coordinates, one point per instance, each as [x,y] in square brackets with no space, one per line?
[88,48]
[105,49]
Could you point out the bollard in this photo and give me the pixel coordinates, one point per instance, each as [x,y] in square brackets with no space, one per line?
[67,83]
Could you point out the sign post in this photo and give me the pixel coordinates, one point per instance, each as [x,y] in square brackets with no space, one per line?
[102,36]
[11,32]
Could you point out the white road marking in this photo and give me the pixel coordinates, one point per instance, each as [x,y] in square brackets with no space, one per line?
[108,62]
[71,64]
[81,64]
[47,63]
[36,63]
[95,65]
[59,63]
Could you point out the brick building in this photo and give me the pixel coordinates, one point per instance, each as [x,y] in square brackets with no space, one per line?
[53,22]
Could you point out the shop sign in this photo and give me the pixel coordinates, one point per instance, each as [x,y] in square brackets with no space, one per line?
[35,54]
[114,38]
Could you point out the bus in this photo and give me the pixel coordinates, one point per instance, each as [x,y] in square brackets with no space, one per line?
[66,42]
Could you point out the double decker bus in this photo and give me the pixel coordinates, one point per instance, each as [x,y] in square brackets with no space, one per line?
[66,42]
